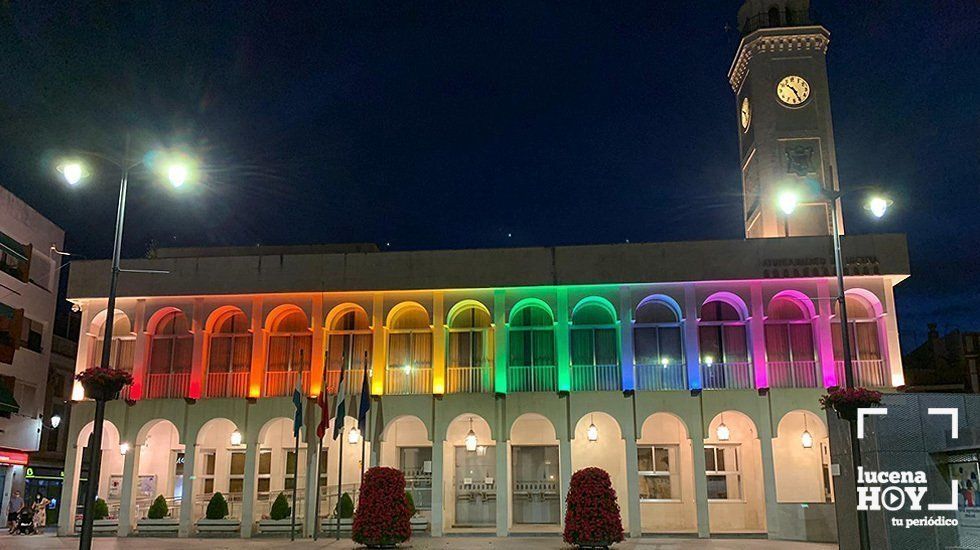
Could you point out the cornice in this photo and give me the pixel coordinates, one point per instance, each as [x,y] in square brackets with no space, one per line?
[786,39]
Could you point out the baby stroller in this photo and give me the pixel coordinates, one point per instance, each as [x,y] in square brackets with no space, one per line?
[25,522]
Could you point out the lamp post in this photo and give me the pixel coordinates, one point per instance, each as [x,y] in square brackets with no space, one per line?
[74,172]
[788,201]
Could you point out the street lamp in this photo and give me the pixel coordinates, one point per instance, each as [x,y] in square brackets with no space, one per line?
[788,200]
[55,421]
[178,169]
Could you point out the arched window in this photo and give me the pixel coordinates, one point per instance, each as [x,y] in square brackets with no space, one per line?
[290,343]
[470,351]
[409,352]
[348,343]
[866,357]
[531,364]
[789,345]
[123,344]
[171,354]
[774,17]
[229,355]
[658,347]
[724,349]
[595,348]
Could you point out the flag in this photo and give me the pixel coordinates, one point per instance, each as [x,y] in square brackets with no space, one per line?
[338,424]
[323,402]
[365,406]
[298,403]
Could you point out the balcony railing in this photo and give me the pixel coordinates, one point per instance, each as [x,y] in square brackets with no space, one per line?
[227,384]
[120,356]
[597,378]
[413,380]
[167,385]
[793,374]
[282,383]
[353,379]
[672,376]
[727,376]
[868,373]
[470,379]
[532,378]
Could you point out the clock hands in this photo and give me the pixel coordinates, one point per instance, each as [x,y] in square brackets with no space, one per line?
[797,94]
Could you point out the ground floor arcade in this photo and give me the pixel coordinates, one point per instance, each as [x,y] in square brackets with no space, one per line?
[712,463]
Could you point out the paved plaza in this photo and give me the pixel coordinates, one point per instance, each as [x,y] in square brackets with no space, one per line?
[50,542]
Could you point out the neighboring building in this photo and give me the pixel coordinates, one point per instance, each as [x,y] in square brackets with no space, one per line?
[28,293]
[689,371]
[948,363]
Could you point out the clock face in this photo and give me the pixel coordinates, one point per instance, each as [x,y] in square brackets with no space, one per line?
[746,113]
[793,90]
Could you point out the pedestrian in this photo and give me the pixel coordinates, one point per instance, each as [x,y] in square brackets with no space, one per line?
[41,503]
[13,508]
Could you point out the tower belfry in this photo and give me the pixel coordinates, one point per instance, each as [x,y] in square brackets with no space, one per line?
[786,136]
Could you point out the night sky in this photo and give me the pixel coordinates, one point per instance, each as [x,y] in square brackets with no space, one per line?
[480,124]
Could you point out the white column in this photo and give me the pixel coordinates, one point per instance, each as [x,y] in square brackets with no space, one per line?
[69,488]
[626,338]
[248,488]
[692,351]
[196,387]
[503,487]
[768,468]
[757,331]
[127,501]
[700,478]
[632,482]
[824,335]
[186,528]
[312,489]
[437,489]
[888,334]
[140,351]
[565,464]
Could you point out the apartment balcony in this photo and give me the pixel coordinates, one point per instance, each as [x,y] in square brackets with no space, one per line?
[408,380]
[226,384]
[597,377]
[167,385]
[868,373]
[794,374]
[661,377]
[522,378]
[353,380]
[478,379]
[727,376]
[282,383]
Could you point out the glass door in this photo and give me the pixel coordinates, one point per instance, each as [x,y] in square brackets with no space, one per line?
[416,464]
[535,485]
[475,487]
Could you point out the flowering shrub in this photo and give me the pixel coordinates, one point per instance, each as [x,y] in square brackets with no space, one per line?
[105,377]
[592,513]
[843,399]
[382,517]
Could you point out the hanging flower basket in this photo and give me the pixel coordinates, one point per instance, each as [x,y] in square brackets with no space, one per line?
[103,384]
[846,401]
[592,518]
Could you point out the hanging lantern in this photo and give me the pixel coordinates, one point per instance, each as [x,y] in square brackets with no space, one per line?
[236,438]
[123,448]
[806,439]
[55,421]
[471,440]
[592,433]
[354,436]
[724,434]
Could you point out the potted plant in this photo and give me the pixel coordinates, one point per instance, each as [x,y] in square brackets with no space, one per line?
[418,521]
[103,384]
[592,517]
[383,517]
[846,401]
[345,511]
[216,517]
[157,521]
[102,522]
[279,520]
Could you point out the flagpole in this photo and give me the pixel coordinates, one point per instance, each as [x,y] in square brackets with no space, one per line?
[340,457]
[363,429]
[292,522]
[319,453]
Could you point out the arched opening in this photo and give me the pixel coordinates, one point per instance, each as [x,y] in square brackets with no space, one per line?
[219,467]
[599,443]
[229,354]
[864,334]
[277,469]
[774,20]
[349,340]
[801,459]
[122,348]
[658,346]
[733,467]
[159,467]
[535,472]
[594,339]
[470,473]
[354,448]
[724,346]
[110,473]
[290,343]
[409,368]
[665,460]
[405,446]
[531,362]
[790,352]
[171,354]
[470,367]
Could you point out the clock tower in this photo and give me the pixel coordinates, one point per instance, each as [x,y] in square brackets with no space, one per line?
[786,137]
